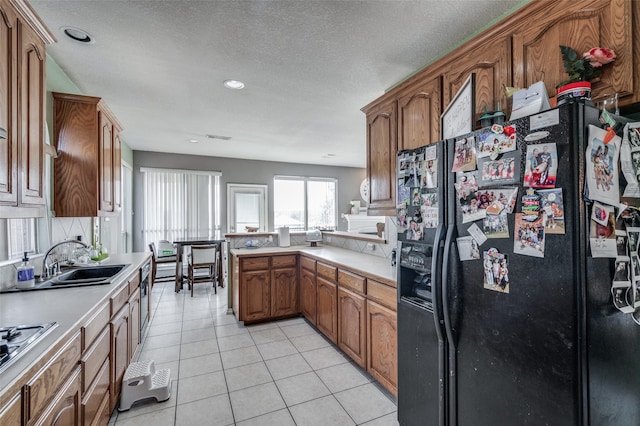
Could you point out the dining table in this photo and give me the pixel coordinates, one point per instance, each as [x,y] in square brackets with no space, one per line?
[180,244]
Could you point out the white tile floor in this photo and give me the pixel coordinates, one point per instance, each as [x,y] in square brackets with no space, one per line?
[278,373]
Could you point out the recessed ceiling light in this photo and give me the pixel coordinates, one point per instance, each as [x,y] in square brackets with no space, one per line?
[78,35]
[194,140]
[234,84]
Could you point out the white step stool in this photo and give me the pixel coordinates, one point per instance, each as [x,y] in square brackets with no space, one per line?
[142,381]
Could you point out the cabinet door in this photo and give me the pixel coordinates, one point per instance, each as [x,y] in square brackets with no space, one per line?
[327,314]
[134,323]
[419,115]
[581,26]
[491,63]
[117,171]
[65,408]
[119,351]
[256,295]
[105,153]
[381,158]
[11,414]
[31,74]
[308,294]
[382,352]
[8,105]
[352,330]
[284,292]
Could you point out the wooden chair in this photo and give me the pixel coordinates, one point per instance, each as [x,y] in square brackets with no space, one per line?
[203,266]
[161,260]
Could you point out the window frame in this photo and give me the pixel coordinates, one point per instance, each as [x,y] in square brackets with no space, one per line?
[306,180]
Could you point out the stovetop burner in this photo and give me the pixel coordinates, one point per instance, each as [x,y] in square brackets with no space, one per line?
[15,339]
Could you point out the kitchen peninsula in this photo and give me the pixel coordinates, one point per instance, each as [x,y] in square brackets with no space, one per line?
[348,296]
[75,370]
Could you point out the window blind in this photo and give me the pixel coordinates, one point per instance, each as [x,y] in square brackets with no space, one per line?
[180,204]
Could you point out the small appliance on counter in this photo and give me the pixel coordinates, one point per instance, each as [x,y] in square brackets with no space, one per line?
[314,237]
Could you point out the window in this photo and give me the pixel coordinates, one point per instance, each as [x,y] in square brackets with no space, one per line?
[305,203]
[180,204]
[21,237]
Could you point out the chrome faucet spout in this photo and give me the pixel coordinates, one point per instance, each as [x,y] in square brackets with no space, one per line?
[45,267]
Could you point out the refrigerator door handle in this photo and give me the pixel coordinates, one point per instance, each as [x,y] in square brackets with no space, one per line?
[446,313]
[436,283]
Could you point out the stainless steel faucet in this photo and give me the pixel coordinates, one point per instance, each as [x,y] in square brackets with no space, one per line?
[46,272]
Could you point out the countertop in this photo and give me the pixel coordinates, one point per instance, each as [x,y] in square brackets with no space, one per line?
[375,267]
[68,307]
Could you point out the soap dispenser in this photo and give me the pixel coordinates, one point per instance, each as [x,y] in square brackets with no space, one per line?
[26,273]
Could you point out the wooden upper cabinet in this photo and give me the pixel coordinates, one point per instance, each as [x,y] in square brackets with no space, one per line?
[581,26]
[22,109]
[491,63]
[419,114]
[87,170]
[381,158]
[105,153]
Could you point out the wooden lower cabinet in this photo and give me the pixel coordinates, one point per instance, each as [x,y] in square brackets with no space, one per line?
[119,356]
[284,292]
[64,410]
[327,308]
[352,332]
[308,295]
[256,295]
[266,287]
[11,414]
[93,402]
[134,323]
[382,345]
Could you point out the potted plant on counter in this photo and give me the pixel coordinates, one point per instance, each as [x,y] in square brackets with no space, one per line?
[581,70]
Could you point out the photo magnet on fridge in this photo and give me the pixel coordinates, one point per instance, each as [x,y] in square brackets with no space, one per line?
[499,140]
[551,202]
[465,155]
[528,236]
[496,271]
[602,174]
[430,168]
[602,238]
[502,171]
[541,166]
[630,159]
[468,248]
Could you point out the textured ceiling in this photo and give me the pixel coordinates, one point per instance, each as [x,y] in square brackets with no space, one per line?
[308,66]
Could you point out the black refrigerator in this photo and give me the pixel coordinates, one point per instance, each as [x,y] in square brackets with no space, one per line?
[522,328]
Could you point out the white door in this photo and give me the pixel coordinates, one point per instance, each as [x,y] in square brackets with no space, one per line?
[246,207]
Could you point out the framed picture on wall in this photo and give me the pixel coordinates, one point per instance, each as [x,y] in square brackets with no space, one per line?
[459,117]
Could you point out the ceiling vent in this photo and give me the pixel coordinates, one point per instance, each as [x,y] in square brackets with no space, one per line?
[224,138]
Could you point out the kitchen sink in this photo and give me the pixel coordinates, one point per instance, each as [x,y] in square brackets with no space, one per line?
[78,277]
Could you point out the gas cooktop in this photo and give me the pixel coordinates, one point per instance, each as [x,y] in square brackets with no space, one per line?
[14,340]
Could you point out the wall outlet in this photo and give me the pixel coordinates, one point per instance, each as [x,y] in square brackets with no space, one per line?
[371,246]
[270,238]
[328,239]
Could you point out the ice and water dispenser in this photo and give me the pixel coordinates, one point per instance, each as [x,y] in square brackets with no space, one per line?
[415,274]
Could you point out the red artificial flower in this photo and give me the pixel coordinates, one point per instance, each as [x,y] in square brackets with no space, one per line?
[599,56]
[509,130]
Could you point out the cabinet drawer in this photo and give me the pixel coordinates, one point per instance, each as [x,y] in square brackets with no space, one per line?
[134,283]
[352,281]
[94,326]
[255,263]
[93,359]
[93,401]
[307,263]
[327,271]
[119,299]
[49,379]
[283,261]
[383,294]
